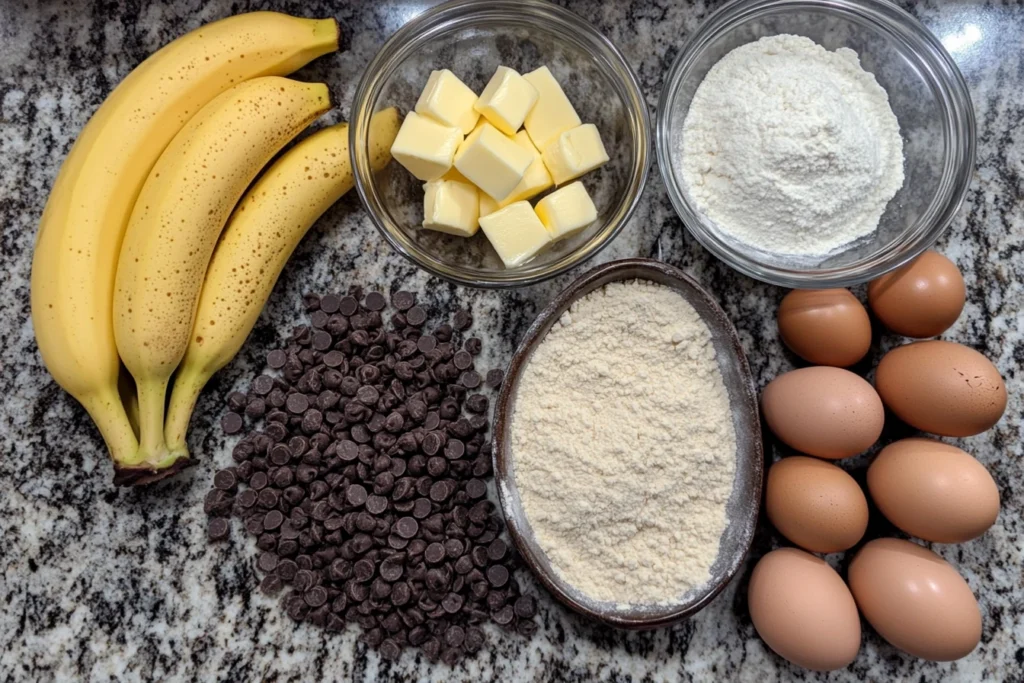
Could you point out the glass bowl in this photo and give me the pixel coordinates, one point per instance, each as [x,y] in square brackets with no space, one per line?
[926,91]
[744,501]
[473,39]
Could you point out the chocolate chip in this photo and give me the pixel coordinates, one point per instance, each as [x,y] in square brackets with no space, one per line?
[356,495]
[317,319]
[463,320]
[406,527]
[348,305]
[476,488]
[443,332]
[375,301]
[231,423]
[258,481]
[504,615]
[330,303]
[403,300]
[272,520]
[276,359]
[297,403]
[497,575]
[256,408]
[225,480]
[218,529]
[462,360]
[495,378]
[434,553]
[416,316]
[236,401]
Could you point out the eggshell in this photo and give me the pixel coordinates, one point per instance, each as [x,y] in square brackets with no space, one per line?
[915,600]
[933,490]
[825,326]
[803,611]
[815,504]
[921,299]
[941,387]
[827,412]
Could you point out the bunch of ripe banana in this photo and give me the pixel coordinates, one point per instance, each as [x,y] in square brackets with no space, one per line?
[142,256]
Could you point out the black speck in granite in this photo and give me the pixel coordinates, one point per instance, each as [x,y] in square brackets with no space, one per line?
[105,584]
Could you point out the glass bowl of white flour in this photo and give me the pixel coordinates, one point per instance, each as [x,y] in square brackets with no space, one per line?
[811,144]
[627,446]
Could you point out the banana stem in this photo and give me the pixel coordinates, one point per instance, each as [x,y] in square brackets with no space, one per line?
[152,399]
[188,383]
[107,411]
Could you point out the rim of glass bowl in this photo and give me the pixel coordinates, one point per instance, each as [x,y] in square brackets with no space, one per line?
[458,13]
[946,82]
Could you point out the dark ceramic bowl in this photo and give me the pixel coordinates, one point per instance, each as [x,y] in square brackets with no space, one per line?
[746,494]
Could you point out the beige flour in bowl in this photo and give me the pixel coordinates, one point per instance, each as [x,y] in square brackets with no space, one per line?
[623,446]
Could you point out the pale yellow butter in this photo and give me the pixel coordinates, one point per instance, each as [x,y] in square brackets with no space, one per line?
[566,211]
[487,205]
[426,148]
[449,101]
[574,153]
[553,114]
[516,233]
[492,161]
[452,207]
[506,100]
[535,180]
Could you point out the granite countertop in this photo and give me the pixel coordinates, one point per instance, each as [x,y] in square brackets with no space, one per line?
[103,584]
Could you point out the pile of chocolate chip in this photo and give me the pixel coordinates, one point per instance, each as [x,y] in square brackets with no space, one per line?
[366,487]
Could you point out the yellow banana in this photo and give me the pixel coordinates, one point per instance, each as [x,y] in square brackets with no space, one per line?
[174,227]
[84,221]
[260,237]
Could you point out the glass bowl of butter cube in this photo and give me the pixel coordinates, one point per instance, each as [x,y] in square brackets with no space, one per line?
[524,148]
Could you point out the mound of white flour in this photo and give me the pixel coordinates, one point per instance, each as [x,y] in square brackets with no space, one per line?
[623,445]
[791,148]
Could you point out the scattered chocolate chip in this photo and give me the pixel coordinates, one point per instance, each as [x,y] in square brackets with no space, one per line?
[330,303]
[218,529]
[348,305]
[375,301]
[225,480]
[231,423]
[416,316]
[495,378]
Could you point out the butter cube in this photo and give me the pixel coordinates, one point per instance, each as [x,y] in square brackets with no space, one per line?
[516,233]
[506,100]
[426,148]
[448,101]
[553,114]
[492,161]
[453,174]
[574,153]
[451,206]
[566,211]
[535,180]
[487,205]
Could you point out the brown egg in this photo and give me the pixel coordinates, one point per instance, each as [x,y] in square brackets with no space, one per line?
[803,611]
[915,600]
[941,387]
[825,326]
[822,411]
[921,299]
[933,490]
[815,504]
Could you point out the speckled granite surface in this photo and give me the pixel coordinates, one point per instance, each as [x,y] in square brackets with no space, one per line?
[103,584]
